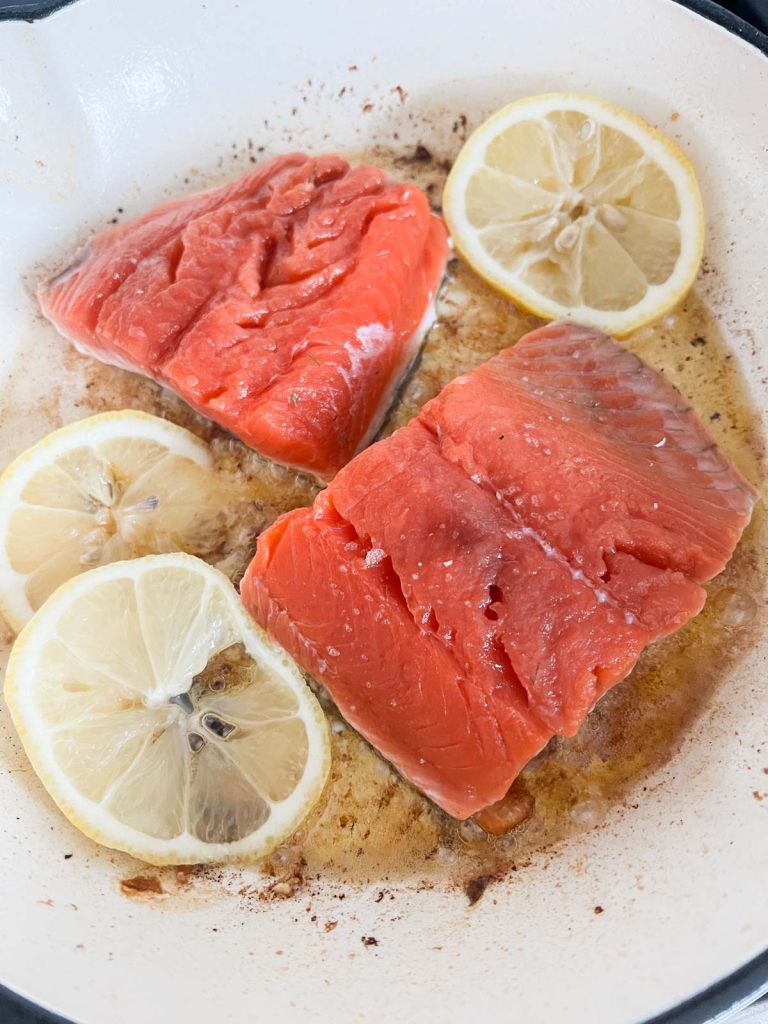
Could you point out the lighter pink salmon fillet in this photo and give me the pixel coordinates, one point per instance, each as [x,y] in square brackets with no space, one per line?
[469,588]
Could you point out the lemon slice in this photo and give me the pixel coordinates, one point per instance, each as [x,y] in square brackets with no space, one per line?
[160,718]
[575,208]
[110,487]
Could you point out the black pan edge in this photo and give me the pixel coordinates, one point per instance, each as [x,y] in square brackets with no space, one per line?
[740,989]
[17,1008]
[31,10]
[34,10]
[726,19]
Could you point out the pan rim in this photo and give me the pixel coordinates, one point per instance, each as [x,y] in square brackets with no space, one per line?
[736,990]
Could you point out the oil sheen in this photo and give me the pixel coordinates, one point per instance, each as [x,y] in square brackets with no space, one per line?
[370,824]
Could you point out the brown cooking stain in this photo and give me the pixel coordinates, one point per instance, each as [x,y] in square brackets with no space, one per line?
[369,825]
[142,886]
[184,874]
[6,635]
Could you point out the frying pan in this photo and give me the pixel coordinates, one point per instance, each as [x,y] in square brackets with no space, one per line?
[117,105]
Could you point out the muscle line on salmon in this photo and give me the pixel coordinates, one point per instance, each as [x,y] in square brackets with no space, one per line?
[286,306]
[470,587]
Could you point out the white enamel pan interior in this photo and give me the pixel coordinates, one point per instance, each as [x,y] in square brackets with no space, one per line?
[109,104]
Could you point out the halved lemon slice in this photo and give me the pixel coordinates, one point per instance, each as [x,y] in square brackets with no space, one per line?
[575,208]
[161,719]
[113,486]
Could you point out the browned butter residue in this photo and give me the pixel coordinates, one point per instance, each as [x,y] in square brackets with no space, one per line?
[142,885]
[370,824]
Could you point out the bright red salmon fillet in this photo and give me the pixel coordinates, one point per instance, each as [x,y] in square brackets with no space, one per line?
[470,587]
[285,306]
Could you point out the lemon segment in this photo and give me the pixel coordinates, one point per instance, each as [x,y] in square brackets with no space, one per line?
[110,487]
[161,719]
[575,208]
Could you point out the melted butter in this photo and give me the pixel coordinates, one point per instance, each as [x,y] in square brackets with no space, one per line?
[370,825]
[388,829]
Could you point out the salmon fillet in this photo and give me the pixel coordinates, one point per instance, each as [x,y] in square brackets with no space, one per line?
[469,587]
[286,306]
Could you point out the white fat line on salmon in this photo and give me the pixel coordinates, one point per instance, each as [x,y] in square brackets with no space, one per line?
[602,596]
[370,338]
[369,334]
[411,351]
[103,356]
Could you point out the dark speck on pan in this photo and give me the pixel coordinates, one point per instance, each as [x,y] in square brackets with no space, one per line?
[475,888]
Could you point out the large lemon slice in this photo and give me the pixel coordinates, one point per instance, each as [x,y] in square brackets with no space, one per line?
[575,208]
[102,489]
[160,718]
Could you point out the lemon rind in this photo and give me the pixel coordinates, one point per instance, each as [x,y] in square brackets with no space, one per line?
[659,299]
[94,821]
